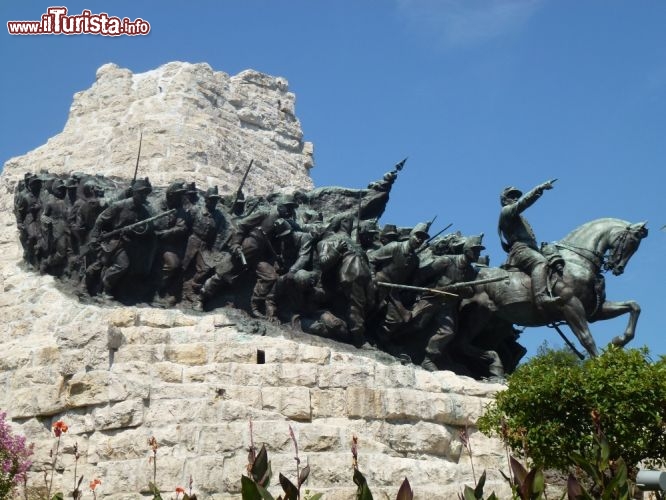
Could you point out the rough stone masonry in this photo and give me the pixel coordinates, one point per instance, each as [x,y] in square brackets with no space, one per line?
[120,375]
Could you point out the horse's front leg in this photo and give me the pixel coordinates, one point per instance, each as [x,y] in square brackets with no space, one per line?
[610,310]
[574,314]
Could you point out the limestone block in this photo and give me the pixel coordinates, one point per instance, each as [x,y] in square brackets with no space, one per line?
[42,400]
[99,387]
[177,391]
[187,354]
[167,371]
[247,395]
[345,375]
[300,374]
[148,353]
[123,316]
[230,351]
[365,403]
[422,437]
[317,437]
[328,403]
[222,438]
[292,402]
[125,414]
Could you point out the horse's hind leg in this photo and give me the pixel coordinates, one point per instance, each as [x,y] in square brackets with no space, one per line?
[574,314]
[611,310]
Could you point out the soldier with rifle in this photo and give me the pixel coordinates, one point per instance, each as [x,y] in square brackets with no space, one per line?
[124,228]
[205,246]
[172,234]
[396,262]
[454,276]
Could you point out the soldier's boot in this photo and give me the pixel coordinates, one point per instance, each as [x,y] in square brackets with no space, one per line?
[199,303]
[542,300]
[271,310]
[429,364]
[255,307]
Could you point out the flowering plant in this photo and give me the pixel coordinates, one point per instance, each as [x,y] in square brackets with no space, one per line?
[14,458]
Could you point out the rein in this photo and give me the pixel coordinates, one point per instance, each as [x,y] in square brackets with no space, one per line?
[596,260]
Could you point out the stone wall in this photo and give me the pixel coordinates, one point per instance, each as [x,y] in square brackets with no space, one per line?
[119,375]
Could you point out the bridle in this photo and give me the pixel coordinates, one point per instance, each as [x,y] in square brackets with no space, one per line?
[601,262]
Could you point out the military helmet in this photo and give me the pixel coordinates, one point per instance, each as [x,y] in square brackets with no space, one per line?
[142,185]
[212,193]
[421,229]
[473,242]
[57,185]
[389,231]
[176,187]
[288,200]
[32,179]
[281,228]
[369,227]
[510,192]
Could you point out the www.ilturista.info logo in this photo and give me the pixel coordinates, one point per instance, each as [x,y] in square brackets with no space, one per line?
[56,22]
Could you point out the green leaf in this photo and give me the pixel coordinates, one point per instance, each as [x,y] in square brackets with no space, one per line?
[519,472]
[290,490]
[249,489]
[584,464]
[525,489]
[261,467]
[468,493]
[478,489]
[539,485]
[575,491]
[604,452]
[58,496]
[305,472]
[265,495]
[363,490]
[405,492]
[316,496]
[618,482]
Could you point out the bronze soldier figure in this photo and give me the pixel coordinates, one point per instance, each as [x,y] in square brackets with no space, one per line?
[210,230]
[518,239]
[28,207]
[114,260]
[172,234]
[442,312]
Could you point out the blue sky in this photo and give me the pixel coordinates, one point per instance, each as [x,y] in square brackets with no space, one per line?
[478,94]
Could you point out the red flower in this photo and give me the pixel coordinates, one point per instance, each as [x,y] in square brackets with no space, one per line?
[94,484]
[59,428]
[179,490]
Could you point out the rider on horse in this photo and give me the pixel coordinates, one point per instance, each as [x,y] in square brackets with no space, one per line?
[518,239]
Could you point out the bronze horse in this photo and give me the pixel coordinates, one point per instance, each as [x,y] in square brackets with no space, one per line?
[597,246]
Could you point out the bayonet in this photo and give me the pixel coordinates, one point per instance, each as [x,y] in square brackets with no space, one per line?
[136,168]
[239,191]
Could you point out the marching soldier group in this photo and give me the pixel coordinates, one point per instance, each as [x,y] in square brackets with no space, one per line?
[339,277]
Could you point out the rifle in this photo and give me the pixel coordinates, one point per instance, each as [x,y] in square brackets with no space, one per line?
[427,243]
[136,168]
[239,191]
[463,284]
[358,218]
[116,232]
[447,290]
[416,288]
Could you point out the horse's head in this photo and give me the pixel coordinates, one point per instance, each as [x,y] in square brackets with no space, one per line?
[623,246]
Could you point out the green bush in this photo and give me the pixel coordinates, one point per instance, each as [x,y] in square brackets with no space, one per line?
[545,412]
